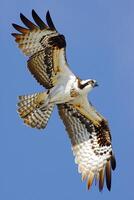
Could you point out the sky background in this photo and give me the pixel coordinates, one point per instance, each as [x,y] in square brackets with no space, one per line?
[38,165]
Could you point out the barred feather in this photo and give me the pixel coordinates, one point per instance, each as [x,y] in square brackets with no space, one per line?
[91,144]
[45,47]
[33,110]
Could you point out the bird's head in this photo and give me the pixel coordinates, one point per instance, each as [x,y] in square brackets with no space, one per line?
[87,85]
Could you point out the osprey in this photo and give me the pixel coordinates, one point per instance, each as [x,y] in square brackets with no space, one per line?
[87,129]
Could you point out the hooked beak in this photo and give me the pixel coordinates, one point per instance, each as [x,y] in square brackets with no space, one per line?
[96,84]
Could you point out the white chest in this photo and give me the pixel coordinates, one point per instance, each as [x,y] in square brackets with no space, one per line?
[61,92]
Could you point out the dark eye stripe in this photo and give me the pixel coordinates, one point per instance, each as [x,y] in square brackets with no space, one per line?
[81,86]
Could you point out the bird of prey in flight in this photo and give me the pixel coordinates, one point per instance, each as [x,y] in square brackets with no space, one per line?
[87,129]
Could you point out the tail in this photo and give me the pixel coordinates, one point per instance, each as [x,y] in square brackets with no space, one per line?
[33,110]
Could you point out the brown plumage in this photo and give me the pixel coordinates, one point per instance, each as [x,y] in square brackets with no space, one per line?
[44,46]
[32,110]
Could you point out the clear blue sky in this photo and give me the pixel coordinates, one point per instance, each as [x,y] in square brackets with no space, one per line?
[38,165]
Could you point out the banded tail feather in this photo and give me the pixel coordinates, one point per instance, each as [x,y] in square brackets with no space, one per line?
[33,110]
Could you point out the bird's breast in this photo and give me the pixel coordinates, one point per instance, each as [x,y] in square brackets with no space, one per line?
[63,91]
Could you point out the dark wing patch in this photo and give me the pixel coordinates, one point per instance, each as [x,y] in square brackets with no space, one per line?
[41,65]
[45,47]
[58,41]
[92,150]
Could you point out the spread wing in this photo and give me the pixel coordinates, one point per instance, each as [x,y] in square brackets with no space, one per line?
[91,141]
[45,48]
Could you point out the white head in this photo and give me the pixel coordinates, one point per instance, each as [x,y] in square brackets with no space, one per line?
[87,85]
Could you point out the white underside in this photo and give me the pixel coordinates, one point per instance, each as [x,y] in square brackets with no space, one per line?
[87,160]
[61,92]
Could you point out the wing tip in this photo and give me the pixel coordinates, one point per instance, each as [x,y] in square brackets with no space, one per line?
[105,172]
[113,162]
[17,36]
[50,21]
[38,20]
[13,34]
[90,179]
[101,180]
[27,22]
[33,11]
[21,16]
[13,24]
[20,28]
[47,13]
[108,175]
